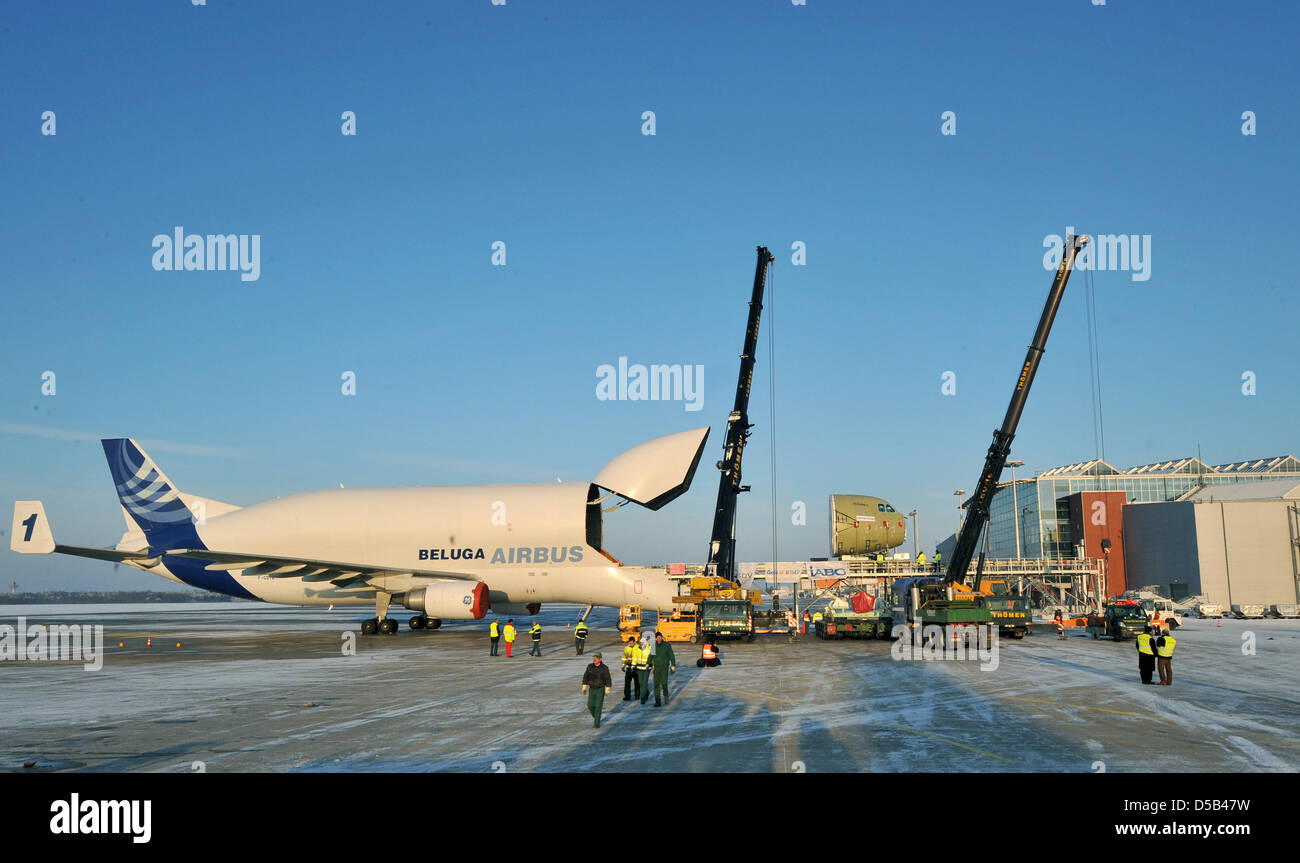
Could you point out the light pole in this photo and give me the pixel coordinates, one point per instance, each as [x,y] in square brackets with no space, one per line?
[916,535]
[1015,499]
[958,493]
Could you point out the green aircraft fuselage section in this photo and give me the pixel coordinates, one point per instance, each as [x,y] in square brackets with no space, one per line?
[865,525]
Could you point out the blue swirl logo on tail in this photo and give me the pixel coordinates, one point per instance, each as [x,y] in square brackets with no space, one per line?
[147,495]
[155,504]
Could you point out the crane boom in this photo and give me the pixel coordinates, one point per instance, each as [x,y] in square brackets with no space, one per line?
[722,541]
[978,513]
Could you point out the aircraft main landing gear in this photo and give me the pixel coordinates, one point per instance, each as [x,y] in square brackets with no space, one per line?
[381,622]
[423,621]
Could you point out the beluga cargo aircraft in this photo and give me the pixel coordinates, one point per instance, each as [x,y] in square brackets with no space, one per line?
[447,552]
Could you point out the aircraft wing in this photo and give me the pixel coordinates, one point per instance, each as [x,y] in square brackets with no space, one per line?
[338,573]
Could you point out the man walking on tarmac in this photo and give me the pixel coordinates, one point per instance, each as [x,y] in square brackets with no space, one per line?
[596,685]
[665,663]
[580,638]
[1146,655]
[509,632]
[536,633]
[1165,658]
[641,660]
[629,673]
[494,633]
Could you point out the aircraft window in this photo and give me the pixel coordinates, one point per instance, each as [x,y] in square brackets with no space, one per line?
[890,509]
[880,507]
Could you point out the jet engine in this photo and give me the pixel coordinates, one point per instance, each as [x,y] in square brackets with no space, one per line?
[453,600]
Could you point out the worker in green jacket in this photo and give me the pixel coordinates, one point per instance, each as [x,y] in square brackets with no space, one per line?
[596,685]
[664,663]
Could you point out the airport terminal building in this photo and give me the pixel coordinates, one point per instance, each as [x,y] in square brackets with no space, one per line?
[1153,524]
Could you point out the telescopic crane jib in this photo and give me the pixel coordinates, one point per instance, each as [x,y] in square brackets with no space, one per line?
[978,508]
[722,541]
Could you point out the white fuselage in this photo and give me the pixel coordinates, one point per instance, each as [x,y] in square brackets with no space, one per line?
[529,543]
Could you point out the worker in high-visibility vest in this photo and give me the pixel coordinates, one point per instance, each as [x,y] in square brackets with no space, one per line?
[641,661]
[1165,659]
[536,633]
[509,633]
[920,560]
[938,556]
[1146,654]
[708,656]
[494,633]
[880,559]
[580,636]
[630,681]
[806,618]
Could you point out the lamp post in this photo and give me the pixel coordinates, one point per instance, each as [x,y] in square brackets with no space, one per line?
[1015,499]
[916,534]
[958,493]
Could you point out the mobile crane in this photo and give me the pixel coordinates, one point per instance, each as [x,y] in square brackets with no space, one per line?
[931,600]
[724,608]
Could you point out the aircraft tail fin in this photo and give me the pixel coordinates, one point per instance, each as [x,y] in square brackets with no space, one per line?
[148,496]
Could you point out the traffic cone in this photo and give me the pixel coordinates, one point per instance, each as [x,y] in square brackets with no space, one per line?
[148,641]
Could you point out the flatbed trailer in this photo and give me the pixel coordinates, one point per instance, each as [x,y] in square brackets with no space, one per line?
[841,619]
[775,621]
[852,625]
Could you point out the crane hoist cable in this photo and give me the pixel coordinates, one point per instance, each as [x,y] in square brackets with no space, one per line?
[1094,373]
[771,401]
[1094,365]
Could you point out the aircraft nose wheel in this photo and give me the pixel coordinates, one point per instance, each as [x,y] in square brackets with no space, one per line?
[369,626]
[388,626]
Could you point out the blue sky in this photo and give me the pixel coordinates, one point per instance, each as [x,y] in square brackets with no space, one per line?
[775,124]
